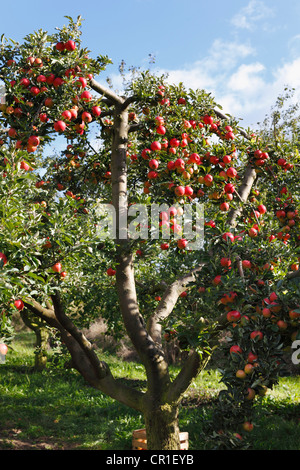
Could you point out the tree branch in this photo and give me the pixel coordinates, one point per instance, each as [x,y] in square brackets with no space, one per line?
[224,117]
[109,94]
[167,303]
[243,192]
[128,101]
[191,368]
[80,350]
[293,275]
[85,345]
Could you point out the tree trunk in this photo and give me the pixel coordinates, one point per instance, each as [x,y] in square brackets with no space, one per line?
[42,336]
[162,427]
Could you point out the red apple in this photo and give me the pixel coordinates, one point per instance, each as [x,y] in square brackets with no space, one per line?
[153,164]
[152,175]
[70,45]
[41,79]
[233,316]
[229,188]
[174,142]
[161,130]
[182,243]
[252,357]
[56,267]
[3,349]
[96,110]
[33,140]
[273,297]
[19,304]
[86,96]
[224,207]
[165,246]
[253,232]
[24,166]
[240,374]
[208,179]
[188,191]
[57,82]
[3,258]
[266,312]
[262,209]
[81,82]
[34,90]
[248,368]
[60,46]
[156,146]
[67,115]
[194,158]
[25,82]
[111,272]
[43,117]
[250,394]
[86,117]
[231,172]
[50,79]
[235,349]
[256,334]
[12,133]
[228,236]
[217,280]
[246,264]
[247,426]
[294,315]
[180,164]
[60,126]
[282,325]
[208,120]
[179,191]
[225,262]
[49,102]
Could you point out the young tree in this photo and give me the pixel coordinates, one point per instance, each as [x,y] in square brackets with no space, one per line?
[157,147]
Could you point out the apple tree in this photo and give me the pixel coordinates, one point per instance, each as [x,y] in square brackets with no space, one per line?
[209,250]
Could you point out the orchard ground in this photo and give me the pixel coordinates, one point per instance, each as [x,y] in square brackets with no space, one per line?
[56,410]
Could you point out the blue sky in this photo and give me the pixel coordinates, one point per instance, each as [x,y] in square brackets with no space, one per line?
[243,52]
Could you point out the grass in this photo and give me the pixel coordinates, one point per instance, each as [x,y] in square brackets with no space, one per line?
[56,409]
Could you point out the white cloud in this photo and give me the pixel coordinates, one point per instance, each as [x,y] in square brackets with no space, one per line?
[247,78]
[224,54]
[246,91]
[211,72]
[294,46]
[251,16]
[243,86]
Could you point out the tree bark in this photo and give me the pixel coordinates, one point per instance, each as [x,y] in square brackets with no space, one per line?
[162,427]
[161,418]
[168,302]
[243,193]
[41,343]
